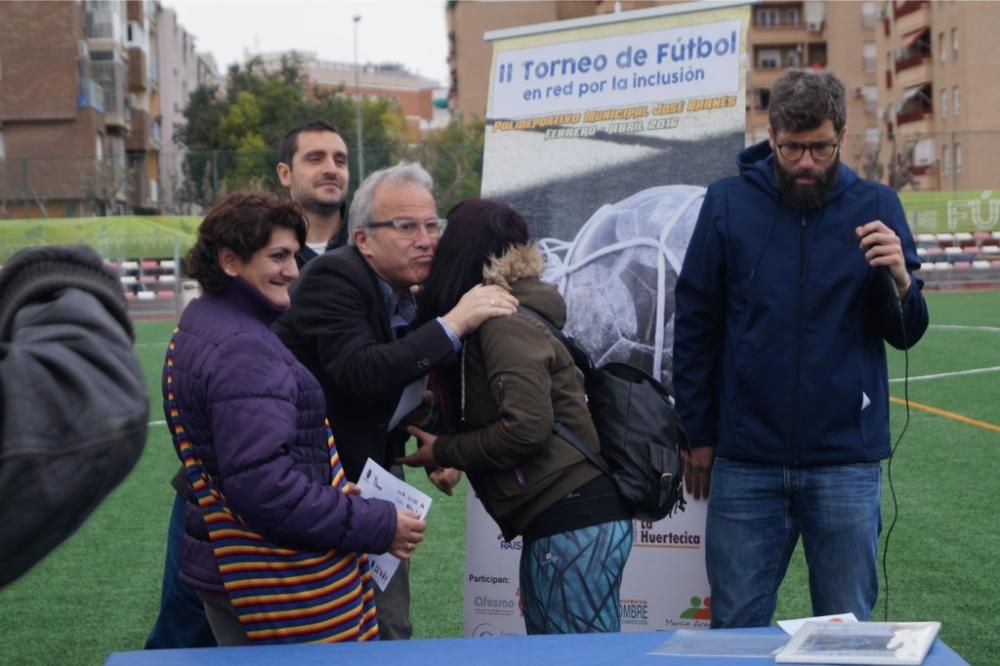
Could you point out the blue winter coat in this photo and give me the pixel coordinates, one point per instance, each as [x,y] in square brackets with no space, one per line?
[778,347]
[255,417]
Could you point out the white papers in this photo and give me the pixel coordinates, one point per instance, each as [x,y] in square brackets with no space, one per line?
[729,644]
[860,643]
[791,626]
[412,396]
[377,483]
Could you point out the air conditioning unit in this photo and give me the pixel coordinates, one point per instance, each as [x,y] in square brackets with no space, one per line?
[814,26]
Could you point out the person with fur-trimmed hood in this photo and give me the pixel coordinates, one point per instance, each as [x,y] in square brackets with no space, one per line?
[498,404]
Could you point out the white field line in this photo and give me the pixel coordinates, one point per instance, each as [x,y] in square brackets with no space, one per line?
[957,373]
[941,375]
[959,327]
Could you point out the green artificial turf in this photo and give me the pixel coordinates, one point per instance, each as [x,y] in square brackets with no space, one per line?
[99,591]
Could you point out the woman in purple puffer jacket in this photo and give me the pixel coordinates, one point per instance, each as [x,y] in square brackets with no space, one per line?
[274,531]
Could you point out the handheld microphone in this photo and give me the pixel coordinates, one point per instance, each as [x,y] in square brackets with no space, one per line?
[890,286]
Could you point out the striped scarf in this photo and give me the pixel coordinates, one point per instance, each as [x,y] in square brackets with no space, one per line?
[281,595]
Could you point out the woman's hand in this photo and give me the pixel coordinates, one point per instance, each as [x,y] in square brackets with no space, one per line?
[424,455]
[445,478]
[409,532]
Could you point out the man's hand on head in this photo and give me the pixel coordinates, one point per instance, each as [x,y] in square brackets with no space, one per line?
[477,305]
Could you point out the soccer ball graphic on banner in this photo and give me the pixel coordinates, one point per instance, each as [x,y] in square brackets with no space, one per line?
[618,276]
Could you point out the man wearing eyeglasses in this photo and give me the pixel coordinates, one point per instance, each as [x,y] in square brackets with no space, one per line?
[350,323]
[796,275]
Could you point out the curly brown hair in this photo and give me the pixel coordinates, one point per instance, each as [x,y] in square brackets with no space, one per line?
[801,99]
[242,222]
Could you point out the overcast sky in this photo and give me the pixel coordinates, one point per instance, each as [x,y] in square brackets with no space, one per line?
[411,32]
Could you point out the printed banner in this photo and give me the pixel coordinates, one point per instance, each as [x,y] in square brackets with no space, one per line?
[940,212]
[604,134]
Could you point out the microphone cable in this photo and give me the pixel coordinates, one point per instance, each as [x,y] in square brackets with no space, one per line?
[897,306]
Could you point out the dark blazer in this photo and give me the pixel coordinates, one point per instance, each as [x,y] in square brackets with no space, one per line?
[338,327]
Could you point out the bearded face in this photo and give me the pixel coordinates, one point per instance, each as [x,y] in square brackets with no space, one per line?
[806,188]
[806,165]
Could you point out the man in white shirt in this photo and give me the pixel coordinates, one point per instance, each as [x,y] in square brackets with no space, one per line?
[312,165]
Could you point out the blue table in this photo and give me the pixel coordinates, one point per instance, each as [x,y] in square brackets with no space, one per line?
[576,650]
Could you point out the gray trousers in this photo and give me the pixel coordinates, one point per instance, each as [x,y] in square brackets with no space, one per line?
[223,619]
[393,604]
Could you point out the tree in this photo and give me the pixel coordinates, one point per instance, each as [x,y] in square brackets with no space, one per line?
[232,136]
[454,157]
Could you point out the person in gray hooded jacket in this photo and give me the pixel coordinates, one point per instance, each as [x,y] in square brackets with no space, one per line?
[73,403]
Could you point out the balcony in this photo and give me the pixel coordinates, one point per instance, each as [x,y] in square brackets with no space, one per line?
[136,37]
[91,95]
[915,106]
[137,79]
[103,24]
[154,135]
[915,52]
[110,75]
[138,136]
[901,9]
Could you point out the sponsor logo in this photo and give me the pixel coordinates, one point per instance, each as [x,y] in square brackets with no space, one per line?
[490,580]
[509,545]
[487,605]
[486,629]
[646,536]
[699,611]
[633,611]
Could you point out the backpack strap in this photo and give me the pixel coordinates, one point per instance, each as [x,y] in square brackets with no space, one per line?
[558,428]
[579,357]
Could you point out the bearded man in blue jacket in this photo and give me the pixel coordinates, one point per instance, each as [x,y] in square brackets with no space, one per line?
[796,275]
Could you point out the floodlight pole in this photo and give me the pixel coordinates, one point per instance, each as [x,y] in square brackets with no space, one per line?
[357,104]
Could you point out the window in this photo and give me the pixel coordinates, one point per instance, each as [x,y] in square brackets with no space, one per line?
[768,58]
[924,152]
[871,140]
[763,98]
[98,148]
[955,105]
[944,101]
[767,18]
[945,160]
[793,58]
[869,14]
[3,150]
[942,50]
[954,48]
[871,99]
[792,16]
[870,56]
[958,158]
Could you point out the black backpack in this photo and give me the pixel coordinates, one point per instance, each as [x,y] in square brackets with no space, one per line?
[637,427]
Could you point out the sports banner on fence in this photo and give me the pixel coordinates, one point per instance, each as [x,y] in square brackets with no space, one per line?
[603,133]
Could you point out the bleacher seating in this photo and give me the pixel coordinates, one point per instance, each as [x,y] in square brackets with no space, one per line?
[150,285]
[959,259]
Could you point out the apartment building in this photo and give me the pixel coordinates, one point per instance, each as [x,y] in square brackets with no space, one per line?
[58,128]
[469,56]
[939,94]
[81,110]
[182,71]
[415,94]
[882,51]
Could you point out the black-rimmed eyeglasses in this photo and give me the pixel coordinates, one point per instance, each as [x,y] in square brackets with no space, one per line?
[820,150]
[409,228]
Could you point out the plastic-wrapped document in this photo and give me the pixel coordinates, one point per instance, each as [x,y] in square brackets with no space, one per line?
[730,643]
[860,643]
